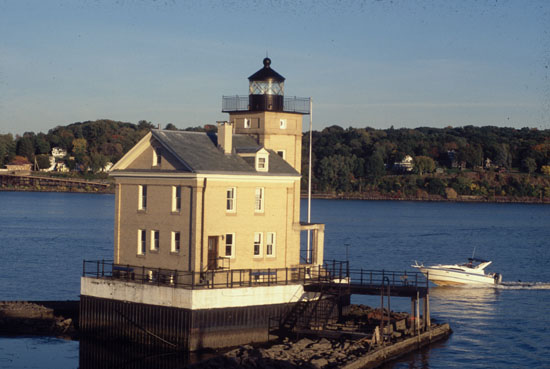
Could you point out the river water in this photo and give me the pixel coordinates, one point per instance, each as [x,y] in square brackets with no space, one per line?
[45,236]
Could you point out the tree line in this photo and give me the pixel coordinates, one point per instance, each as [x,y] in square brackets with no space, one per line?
[362,159]
[89,145]
[345,160]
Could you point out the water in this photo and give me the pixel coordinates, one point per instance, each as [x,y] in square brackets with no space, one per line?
[45,236]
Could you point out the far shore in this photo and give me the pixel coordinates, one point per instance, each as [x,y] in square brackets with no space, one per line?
[428,198]
[328,196]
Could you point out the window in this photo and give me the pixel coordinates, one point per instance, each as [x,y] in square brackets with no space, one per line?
[155,240]
[258,244]
[259,200]
[270,244]
[175,242]
[281,153]
[261,162]
[142,242]
[231,200]
[176,198]
[282,123]
[229,245]
[142,201]
[246,123]
[157,157]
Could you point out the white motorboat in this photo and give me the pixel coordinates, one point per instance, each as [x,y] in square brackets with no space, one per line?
[470,273]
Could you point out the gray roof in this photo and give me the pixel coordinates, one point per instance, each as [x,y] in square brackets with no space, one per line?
[198,152]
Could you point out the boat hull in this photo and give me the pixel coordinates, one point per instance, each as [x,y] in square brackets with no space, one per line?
[443,277]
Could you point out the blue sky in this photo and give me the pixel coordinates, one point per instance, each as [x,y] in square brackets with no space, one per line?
[364,63]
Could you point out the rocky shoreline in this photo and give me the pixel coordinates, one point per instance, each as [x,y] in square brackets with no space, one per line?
[355,343]
[58,319]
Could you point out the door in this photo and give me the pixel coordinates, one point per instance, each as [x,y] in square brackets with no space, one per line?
[212,252]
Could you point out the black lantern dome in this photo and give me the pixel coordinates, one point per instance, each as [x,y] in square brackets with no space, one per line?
[266,89]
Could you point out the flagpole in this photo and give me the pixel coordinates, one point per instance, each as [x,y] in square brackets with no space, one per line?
[309,180]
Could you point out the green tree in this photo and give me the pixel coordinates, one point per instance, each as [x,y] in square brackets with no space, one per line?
[424,164]
[436,186]
[171,127]
[41,144]
[79,146]
[374,166]
[97,162]
[462,185]
[145,125]
[504,156]
[25,148]
[43,161]
[7,149]
[529,165]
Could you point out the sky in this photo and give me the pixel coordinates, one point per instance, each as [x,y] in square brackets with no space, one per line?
[372,63]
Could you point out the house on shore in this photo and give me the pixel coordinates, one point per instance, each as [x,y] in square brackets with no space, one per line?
[207,229]
[405,165]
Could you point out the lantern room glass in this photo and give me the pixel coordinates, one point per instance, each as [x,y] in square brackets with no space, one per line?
[267,88]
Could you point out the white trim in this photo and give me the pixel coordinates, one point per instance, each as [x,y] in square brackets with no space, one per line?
[211,177]
[273,243]
[154,245]
[173,242]
[142,206]
[233,199]
[141,243]
[175,207]
[261,241]
[232,244]
[157,158]
[134,152]
[259,198]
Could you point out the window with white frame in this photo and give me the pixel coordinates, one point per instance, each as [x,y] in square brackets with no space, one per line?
[258,240]
[259,200]
[230,245]
[270,244]
[142,242]
[157,156]
[231,200]
[176,198]
[247,123]
[155,240]
[282,123]
[176,240]
[142,197]
[262,163]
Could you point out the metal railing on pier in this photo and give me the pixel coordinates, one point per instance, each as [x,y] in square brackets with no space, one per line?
[335,274]
[220,278]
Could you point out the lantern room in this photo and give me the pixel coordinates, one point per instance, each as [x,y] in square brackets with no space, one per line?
[266,89]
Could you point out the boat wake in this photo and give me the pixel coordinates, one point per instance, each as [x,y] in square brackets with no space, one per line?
[519,285]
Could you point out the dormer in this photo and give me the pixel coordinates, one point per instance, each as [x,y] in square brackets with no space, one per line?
[262,161]
[256,156]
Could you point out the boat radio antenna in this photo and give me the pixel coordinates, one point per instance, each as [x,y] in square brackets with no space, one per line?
[474,252]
